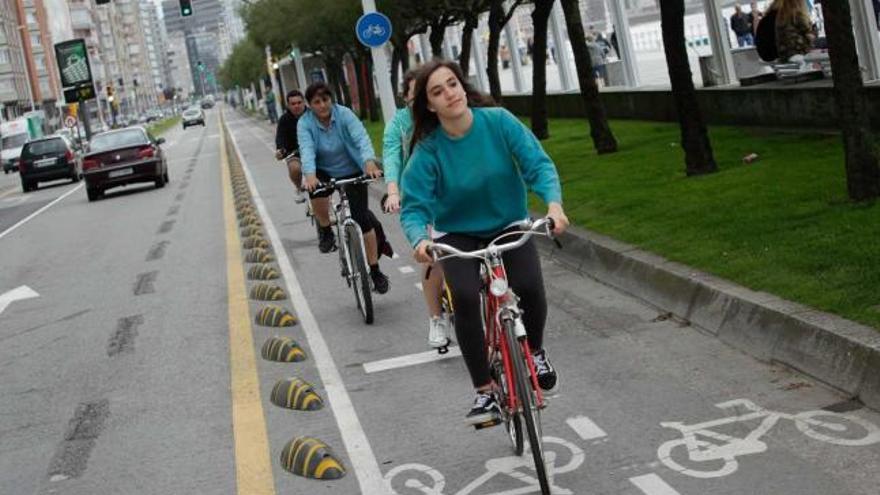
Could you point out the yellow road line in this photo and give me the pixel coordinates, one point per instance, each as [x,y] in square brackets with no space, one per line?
[253,470]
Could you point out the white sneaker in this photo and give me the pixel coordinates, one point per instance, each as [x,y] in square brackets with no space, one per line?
[299,196]
[437,332]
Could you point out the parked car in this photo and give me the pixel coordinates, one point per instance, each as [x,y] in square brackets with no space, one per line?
[49,158]
[122,157]
[193,116]
[208,102]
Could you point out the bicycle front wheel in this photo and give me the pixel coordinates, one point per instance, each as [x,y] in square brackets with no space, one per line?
[530,412]
[360,274]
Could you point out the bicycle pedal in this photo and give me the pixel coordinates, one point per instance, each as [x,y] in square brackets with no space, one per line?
[487,424]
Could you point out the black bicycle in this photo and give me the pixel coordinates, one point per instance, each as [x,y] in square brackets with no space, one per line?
[352,251]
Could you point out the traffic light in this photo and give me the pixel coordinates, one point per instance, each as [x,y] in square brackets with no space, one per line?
[186,8]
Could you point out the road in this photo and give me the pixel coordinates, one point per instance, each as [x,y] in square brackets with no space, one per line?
[136,368]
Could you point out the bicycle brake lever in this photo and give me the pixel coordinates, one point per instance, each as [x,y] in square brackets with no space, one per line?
[428,272]
[556,241]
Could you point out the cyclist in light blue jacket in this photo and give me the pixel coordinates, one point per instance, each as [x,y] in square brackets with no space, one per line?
[333,143]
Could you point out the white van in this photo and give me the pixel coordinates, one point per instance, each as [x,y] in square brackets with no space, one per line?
[13,135]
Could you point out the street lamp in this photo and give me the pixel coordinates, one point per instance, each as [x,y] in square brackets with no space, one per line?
[27,72]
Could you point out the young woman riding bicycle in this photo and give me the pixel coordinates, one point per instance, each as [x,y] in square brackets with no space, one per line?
[468,175]
[395,154]
[333,143]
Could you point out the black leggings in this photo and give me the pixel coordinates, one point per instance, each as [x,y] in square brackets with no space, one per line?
[358,200]
[463,277]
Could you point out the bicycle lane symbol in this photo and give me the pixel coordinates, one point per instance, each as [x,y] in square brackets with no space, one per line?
[425,480]
[702,452]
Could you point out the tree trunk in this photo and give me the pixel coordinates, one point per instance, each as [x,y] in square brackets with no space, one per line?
[375,114]
[333,76]
[395,61]
[540,18]
[359,68]
[438,30]
[496,24]
[862,170]
[467,35]
[694,135]
[344,89]
[600,131]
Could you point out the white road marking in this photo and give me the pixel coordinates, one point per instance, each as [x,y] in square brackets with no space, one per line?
[410,360]
[406,269]
[651,484]
[364,462]
[41,210]
[419,286]
[585,428]
[18,294]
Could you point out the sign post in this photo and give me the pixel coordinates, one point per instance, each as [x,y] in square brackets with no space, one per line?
[374,30]
[76,76]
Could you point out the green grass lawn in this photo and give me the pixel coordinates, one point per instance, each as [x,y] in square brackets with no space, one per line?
[782,224]
[163,125]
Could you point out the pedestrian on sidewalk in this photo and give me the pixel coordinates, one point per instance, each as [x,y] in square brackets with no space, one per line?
[742,27]
[794,30]
[597,59]
[877,13]
[755,16]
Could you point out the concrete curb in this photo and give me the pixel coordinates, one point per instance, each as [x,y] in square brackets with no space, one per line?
[836,351]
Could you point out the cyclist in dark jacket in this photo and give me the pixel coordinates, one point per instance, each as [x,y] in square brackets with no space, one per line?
[286,142]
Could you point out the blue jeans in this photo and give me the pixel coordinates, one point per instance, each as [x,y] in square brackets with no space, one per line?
[745,40]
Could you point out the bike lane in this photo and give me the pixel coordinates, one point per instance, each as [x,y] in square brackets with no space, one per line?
[625,369]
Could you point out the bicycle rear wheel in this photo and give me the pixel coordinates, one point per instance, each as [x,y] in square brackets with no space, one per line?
[530,412]
[360,275]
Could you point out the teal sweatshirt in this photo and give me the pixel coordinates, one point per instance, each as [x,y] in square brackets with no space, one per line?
[475,184]
[395,144]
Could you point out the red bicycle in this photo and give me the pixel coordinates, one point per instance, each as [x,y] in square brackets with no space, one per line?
[507,349]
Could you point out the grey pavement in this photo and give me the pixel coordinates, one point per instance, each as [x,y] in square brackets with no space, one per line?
[116,379]
[152,368]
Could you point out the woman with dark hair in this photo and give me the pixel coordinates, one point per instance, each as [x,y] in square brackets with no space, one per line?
[395,153]
[333,143]
[468,176]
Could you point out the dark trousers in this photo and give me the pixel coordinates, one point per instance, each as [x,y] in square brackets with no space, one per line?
[358,200]
[463,277]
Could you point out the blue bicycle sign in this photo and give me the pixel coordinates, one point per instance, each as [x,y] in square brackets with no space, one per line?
[373,29]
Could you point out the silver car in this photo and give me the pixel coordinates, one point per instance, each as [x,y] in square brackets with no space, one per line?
[193,116]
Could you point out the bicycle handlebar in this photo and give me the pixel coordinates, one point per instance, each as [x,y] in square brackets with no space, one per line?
[543,226]
[335,184]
